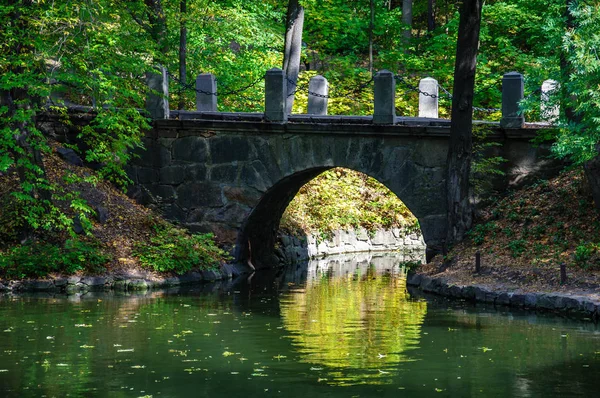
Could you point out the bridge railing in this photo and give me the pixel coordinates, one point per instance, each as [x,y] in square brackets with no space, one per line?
[277,91]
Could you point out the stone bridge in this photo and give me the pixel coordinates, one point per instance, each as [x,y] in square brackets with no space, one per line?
[235,174]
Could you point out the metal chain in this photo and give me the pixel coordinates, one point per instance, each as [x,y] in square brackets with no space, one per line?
[360,87]
[447,95]
[216,93]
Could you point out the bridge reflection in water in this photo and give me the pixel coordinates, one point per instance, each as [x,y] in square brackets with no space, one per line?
[353,320]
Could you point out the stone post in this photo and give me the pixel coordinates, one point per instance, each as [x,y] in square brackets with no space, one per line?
[385,98]
[275,95]
[206,102]
[549,111]
[317,104]
[512,93]
[428,104]
[157,101]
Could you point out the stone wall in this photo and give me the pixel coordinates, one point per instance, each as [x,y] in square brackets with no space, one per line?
[293,249]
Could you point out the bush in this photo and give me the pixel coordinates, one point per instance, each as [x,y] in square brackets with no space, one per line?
[480,231]
[584,253]
[36,259]
[174,250]
[517,247]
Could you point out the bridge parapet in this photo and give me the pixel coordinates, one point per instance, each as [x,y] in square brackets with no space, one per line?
[277,91]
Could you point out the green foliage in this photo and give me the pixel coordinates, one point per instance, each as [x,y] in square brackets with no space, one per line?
[517,247]
[37,259]
[172,249]
[345,199]
[586,255]
[485,166]
[479,232]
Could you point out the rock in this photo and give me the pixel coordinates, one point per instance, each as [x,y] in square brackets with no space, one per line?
[61,282]
[138,285]
[101,214]
[72,280]
[530,300]
[3,288]
[40,286]
[517,300]
[120,285]
[480,293]
[469,292]
[426,282]
[546,301]
[504,298]
[455,291]
[82,287]
[226,271]
[70,156]
[210,275]
[413,279]
[71,289]
[77,227]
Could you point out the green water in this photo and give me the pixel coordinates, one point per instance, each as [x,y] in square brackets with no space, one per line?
[344,329]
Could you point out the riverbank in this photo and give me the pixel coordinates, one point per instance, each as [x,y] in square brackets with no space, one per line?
[522,241]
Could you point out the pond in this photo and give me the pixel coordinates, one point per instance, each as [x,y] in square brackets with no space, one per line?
[346,327]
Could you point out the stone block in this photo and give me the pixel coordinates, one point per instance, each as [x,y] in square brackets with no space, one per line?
[172,175]
[206,85]
[224,173]
[318,90]
[276,95]
[512,94]
[157,100]
[428,104]
[195,173]
[146,175]
[227,149]
[161,193]
[190,149]
[385,98]
[195,195]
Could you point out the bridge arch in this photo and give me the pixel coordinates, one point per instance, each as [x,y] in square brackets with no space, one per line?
[236,182]
[420,186]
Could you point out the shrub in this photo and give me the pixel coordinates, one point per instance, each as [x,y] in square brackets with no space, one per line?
[175,250]
[37,259]
[583,254]
[480,231]
[517,247]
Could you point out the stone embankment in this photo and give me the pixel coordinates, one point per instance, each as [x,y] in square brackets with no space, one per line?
[119,282]
[293,249]
[573,305]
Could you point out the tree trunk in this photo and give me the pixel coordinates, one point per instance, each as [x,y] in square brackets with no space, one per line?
[430,15]
[407,22]
[293,48]
[458,187]
[182,50]
[158,27]
[371,26]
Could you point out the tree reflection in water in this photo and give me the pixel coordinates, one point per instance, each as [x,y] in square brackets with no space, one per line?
[359,326]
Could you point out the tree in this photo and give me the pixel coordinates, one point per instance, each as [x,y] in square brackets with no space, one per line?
[407,20]
[66,53]
[182,48]
[293,47]
[458,186]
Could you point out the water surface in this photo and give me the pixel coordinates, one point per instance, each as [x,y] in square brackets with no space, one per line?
[333,328]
